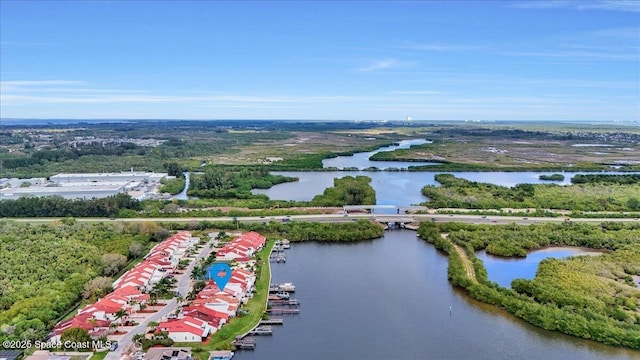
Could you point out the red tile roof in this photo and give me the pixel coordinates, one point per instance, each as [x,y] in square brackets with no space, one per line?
[187,324]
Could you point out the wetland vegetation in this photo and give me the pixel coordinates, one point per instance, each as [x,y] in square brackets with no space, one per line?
[602,195]
[593,297]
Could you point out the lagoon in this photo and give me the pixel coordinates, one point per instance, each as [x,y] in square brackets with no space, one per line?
[396,188]
[503,270]
[361,160]
[389,298]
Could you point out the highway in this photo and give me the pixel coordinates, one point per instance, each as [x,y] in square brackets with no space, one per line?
[336,218]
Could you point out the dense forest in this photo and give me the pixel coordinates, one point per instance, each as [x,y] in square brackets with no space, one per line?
[295,230]
[56,206]
[592,297]
[45,268]
[596,196]
[622,179]
[233,182]
[347,191]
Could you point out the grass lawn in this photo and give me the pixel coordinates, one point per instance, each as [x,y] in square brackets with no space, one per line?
[99,355]
[222,339]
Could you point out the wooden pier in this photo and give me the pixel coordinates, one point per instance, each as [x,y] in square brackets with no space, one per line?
[278,258]
[285,287]
[272,322]
[262,330]
[283,311]
[244,344]
[290,302]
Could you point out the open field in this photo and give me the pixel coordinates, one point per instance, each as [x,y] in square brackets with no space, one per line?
[519,153]
[527,146]
[44,150]
[301,143]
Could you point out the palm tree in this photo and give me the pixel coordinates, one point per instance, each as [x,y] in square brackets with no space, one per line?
[113,326]
[121,315]
[153,325]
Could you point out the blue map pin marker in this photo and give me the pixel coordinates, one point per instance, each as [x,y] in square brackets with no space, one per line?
[221,273]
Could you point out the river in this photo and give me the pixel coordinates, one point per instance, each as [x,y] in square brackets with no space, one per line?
[361,160]
[183,194]
[392,188]
[390,299]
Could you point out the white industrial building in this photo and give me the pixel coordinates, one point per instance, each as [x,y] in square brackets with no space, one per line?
[109,177]
[85,185]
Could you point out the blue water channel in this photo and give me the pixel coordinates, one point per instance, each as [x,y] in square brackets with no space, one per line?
[503,270]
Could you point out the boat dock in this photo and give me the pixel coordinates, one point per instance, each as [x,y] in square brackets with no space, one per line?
[282,311]
[288,287]
[262,330]
[244,344]
[290,302]
[272,322]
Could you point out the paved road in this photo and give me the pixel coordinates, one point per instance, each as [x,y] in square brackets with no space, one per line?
[477,219]
[182,287]
[125,341]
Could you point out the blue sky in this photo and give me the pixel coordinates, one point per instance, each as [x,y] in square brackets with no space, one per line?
[537,60]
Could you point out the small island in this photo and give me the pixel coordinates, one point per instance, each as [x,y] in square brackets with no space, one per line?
[553,177]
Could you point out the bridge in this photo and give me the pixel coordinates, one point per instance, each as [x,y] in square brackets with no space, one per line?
[397,209]
[393,220]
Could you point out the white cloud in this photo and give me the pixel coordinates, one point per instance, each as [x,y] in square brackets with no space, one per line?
[385,64]
[611,5]
[28,92]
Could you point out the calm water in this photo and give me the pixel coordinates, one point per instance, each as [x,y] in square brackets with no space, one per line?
[361,160]
[183,194]
[390,299]
[393,188]
[503,270]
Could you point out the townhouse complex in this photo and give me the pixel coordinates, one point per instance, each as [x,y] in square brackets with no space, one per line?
[213,307]
[131,290]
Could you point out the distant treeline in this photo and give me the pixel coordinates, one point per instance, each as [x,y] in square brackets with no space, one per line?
[56,206]
[42,156]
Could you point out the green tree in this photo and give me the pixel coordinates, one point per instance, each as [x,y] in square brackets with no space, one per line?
[120,315]
[173,169]
[75,335]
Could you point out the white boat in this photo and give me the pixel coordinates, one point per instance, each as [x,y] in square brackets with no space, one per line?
[287,287]
[283,295]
